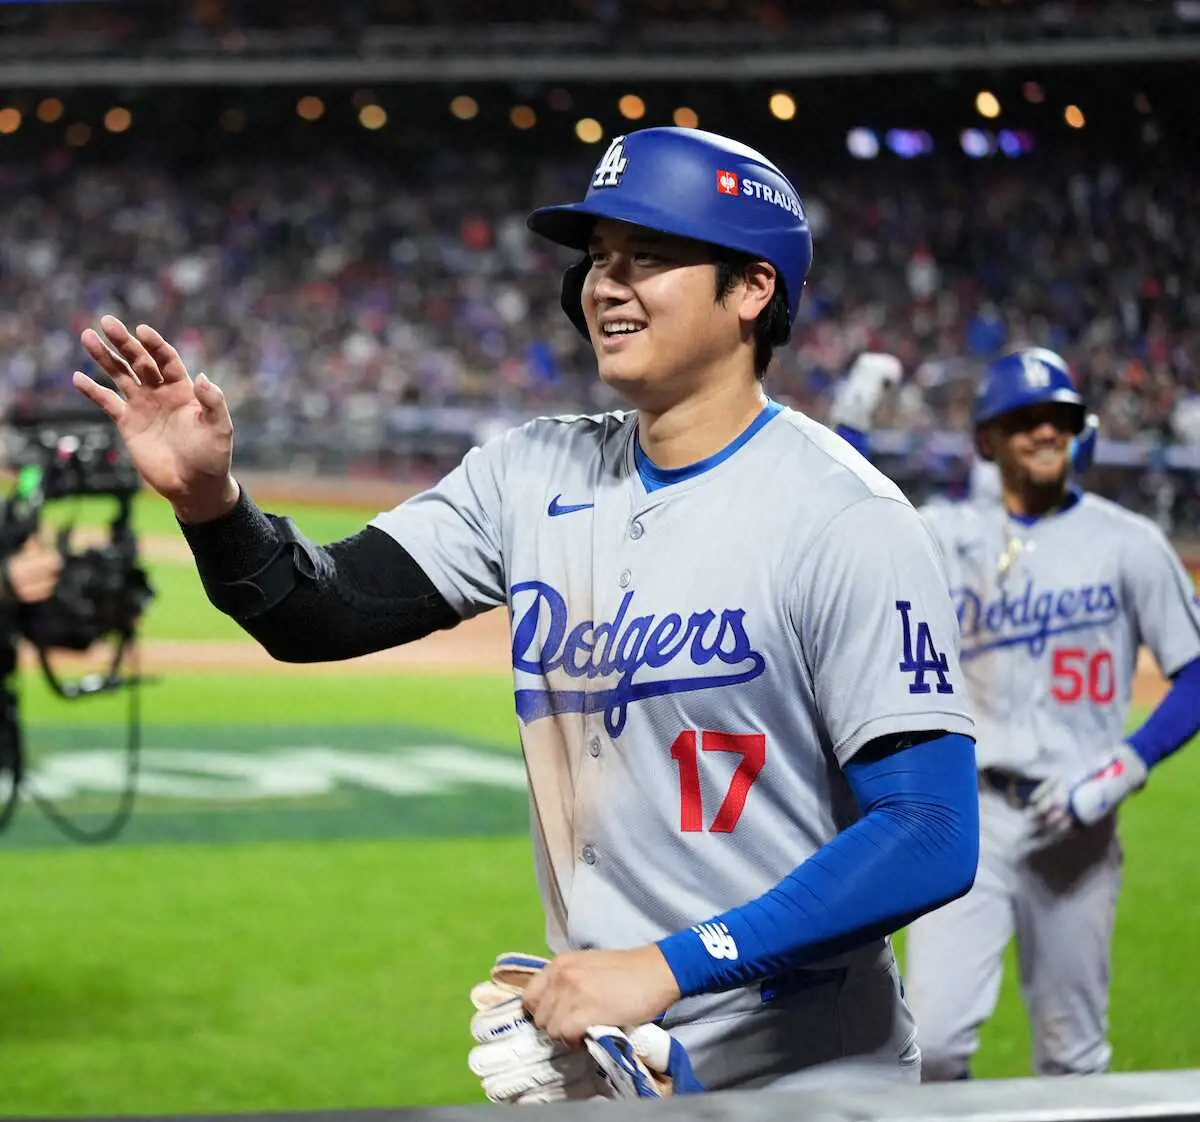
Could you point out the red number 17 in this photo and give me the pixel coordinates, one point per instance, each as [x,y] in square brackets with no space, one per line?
[752,747]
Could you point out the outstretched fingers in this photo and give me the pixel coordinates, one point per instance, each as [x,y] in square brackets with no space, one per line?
[212,400]
[109,400]
[102,353]
[166,357]
[130,348]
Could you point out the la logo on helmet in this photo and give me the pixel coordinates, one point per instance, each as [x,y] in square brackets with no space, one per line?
[610,169]
[1036,376]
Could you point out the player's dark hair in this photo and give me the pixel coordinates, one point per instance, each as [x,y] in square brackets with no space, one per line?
[771,328]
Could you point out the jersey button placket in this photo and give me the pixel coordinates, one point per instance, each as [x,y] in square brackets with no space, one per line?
[588,853]
[636,529]
[594,747]
[624,579]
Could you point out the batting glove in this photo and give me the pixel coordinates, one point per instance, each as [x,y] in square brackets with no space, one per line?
[517,1062]
[1058,806]
[1101,792]
[1050,806]
[645,1063]
[858,394]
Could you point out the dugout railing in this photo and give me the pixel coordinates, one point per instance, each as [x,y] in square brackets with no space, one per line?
[1165,1095]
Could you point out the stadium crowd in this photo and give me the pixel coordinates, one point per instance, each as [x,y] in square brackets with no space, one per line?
[359,292]
[373,27]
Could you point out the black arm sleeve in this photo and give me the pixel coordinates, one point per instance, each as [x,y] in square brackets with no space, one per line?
[309,603]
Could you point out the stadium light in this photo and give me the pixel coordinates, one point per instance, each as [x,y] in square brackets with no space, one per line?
[686,118]
[464,107]
[783,106]
[1074,117]
[1009,143]
[522,117]
[632,107]
[589,130]
[49,110]
[976,143]
[10,120]
[310,108]
[372,117]
[862,144]
[1033,93]
[987,104]
[118,119]
[78,134]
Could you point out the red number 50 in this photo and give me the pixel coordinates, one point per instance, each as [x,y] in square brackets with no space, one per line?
[752,747]
[1075,673]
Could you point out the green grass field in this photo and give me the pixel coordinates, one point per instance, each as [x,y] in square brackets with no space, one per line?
[309,939]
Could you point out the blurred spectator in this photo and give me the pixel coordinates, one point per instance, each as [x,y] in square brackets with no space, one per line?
[335,300]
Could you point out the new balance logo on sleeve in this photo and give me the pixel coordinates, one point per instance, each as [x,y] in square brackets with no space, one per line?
[717,940]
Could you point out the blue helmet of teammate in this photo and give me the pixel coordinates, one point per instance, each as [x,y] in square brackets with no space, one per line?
[1033,376]
[692,184]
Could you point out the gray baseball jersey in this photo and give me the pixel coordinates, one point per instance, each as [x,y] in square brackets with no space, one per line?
[692,663]
[1052,616]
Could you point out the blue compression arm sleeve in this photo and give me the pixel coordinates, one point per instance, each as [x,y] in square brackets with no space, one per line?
[859,441]
[915,848]
[1175,720]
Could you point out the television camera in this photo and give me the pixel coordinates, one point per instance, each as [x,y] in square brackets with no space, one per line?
[102,589]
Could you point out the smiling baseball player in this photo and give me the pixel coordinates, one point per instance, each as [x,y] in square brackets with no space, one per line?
[1056,590]
[743,720]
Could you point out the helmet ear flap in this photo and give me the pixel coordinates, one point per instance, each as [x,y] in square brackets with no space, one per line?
[572,294]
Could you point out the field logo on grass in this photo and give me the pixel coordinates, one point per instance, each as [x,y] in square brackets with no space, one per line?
[281,773]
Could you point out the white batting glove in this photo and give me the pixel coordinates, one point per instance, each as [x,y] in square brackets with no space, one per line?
[645,1063]
[1050,806]
[1058,806]
[518,1063]
[1101,792]
[858,394]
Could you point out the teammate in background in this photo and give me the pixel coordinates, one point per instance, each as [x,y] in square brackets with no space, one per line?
[748,746]
[1056,590]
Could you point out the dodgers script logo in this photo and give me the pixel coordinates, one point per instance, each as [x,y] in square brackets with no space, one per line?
[626,646]
[1025,618]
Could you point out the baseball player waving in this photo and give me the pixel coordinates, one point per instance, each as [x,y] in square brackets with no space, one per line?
[735,659]
[1056,590]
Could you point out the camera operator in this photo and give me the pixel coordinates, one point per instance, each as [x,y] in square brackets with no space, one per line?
[28,575]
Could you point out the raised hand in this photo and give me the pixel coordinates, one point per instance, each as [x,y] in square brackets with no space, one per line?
[178,432]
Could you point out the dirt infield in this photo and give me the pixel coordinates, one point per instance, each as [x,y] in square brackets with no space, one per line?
[480,645]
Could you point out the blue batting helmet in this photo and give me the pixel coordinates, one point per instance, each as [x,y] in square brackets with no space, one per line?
[692,184]
[1031,376]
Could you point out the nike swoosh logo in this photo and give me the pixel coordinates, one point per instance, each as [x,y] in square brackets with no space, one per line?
[556,508]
